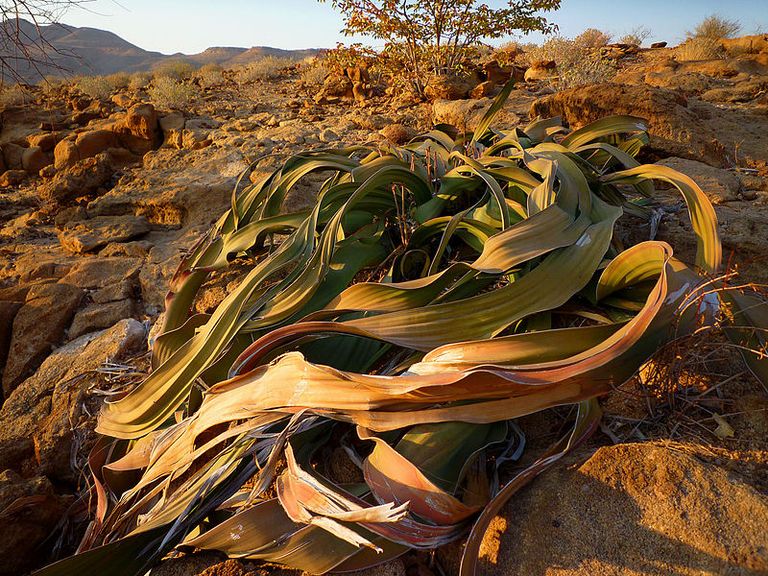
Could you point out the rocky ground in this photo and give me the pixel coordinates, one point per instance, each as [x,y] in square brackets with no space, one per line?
[99,199]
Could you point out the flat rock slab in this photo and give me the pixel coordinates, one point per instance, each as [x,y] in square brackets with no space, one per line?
[39,325]
[88,235]
[97,316]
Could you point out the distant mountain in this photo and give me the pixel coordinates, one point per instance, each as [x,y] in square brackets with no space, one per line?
[60,49]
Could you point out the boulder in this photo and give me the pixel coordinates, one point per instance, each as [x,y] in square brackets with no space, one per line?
[82,179]
[8,311]
[87,235]
[84,145]
[753,44]
[172,121]
[38,420]
[32,507]
[657,45]
[631,509]
[65,153]
[542,70]
[39,325]
[11,178]
[485,89]
[328,135]
[397,133]
[45,140]
[448,87]
[35,159]
[12,154]
[139,131]
[465,114]
[335,87]
[496,73]
[98,316]
[122,100]
[98,272]
[719,185]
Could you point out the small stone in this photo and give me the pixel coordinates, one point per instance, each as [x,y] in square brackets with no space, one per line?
[397,133]
[328,135]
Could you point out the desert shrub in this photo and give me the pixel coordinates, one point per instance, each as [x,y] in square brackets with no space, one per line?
[699,48]
[313,72]
[118,80]
[715,27]
[436,37]
[50,83]
[577,65]
[139,80]
[211,74]
[637,36]
[350,56]
[508,53]
[585,71]
[265,68]
[166,92]
[176,69]
[94,86]
[13,95]
[592,38]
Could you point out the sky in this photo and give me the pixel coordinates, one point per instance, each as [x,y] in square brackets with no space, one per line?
[190,26]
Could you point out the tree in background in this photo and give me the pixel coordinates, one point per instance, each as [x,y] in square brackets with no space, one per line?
[22,44]
[432,37]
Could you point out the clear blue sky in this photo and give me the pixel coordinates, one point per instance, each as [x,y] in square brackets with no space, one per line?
[190,26]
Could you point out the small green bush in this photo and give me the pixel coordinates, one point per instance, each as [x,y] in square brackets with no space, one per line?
[166,92]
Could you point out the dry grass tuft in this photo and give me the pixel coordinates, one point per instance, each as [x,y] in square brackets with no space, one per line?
[681,393]
[699,48]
